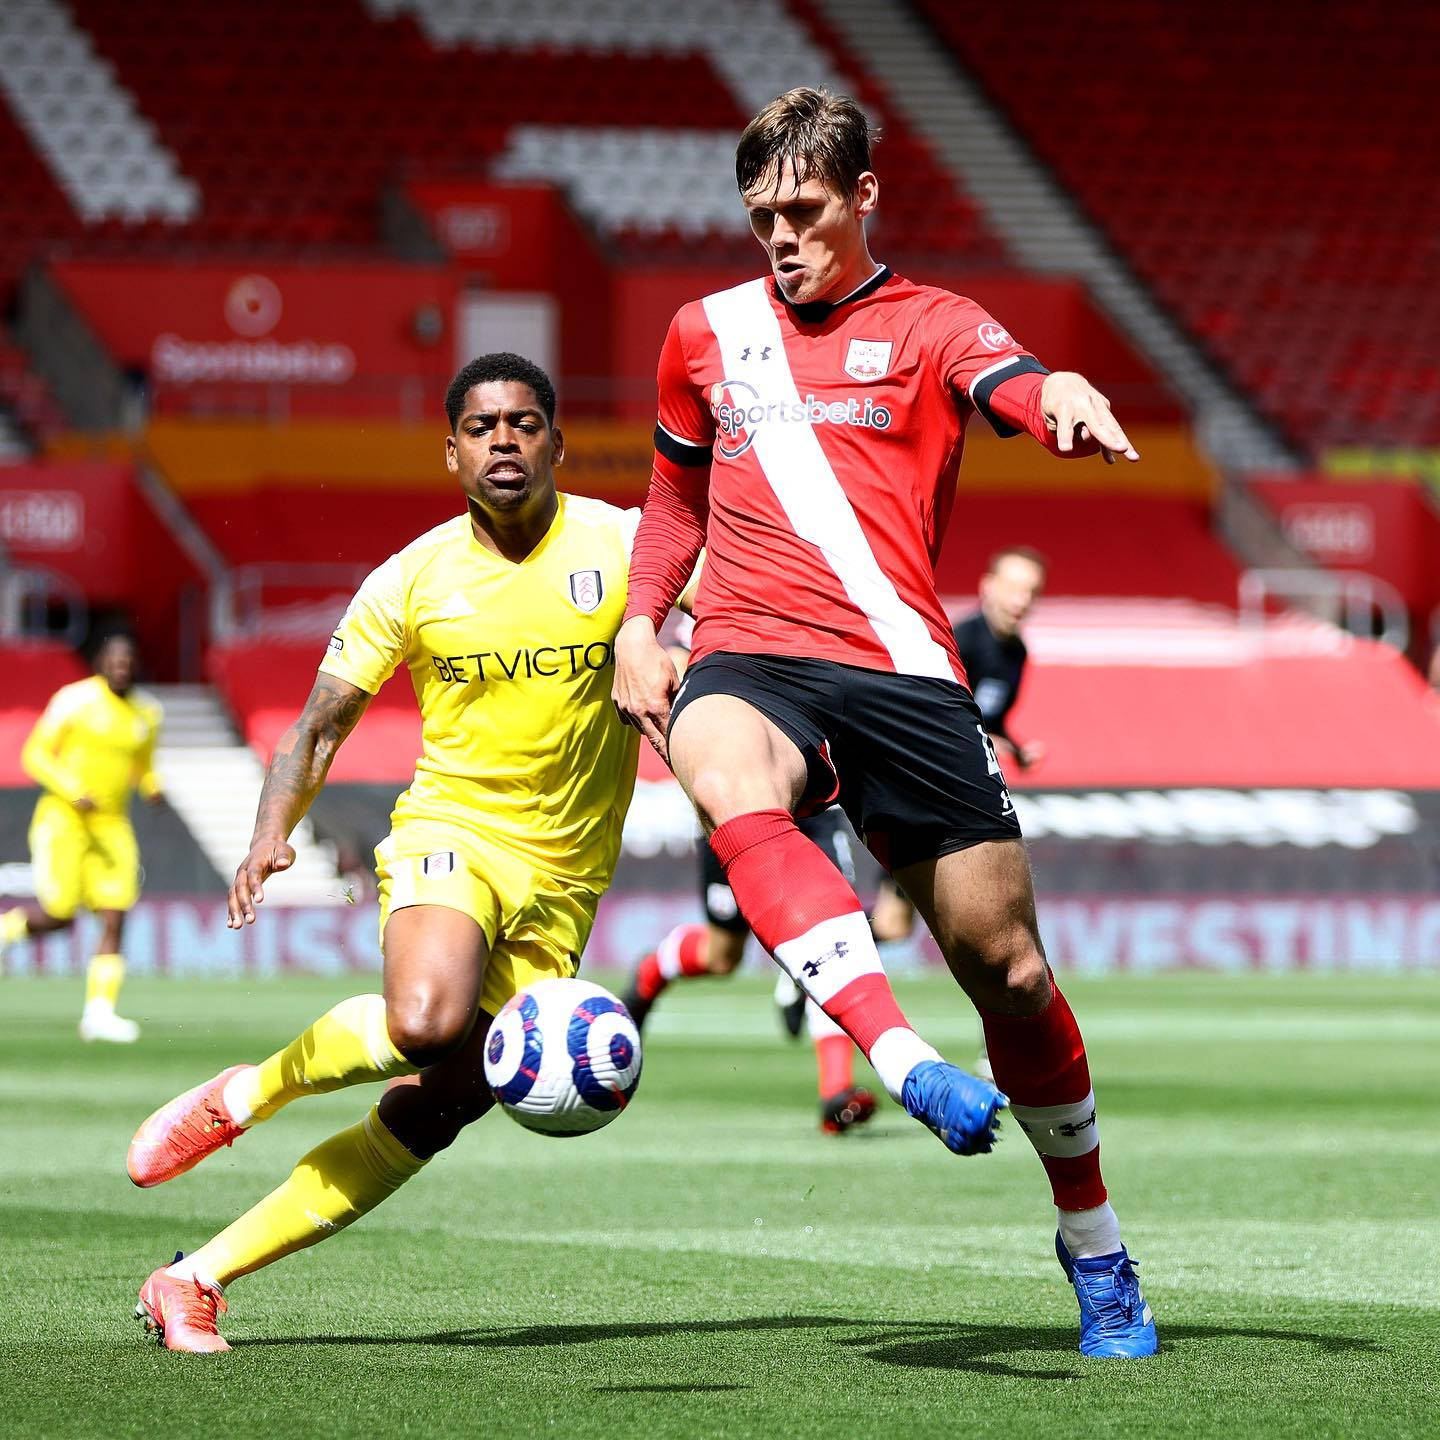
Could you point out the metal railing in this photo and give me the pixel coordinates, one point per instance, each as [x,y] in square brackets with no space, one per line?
[1364,605]
[242,602]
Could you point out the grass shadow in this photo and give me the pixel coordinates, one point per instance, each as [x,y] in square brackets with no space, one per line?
[922,1344]
[664,1389]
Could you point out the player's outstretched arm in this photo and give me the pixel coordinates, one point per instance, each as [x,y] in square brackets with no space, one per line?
[297,771]
[1075,411]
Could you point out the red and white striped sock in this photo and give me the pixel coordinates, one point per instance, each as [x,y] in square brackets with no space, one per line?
[681,952]
[806,915]
[1039,1062]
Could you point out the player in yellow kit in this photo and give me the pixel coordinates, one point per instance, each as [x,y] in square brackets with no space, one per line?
[90,751]
[498,854]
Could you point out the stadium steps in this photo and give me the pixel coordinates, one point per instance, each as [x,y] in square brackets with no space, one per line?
[1037,219]
[212,781]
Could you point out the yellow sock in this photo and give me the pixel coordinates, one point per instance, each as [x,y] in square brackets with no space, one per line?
[349,1045]
[340,1180]
[103,980]
[14,927]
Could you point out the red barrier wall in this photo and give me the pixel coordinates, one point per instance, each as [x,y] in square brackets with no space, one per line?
[265,684]
[33,673]
[526,238]
[1385,528]
[1359,718]
[1096,544]
[90,522]
[356,338]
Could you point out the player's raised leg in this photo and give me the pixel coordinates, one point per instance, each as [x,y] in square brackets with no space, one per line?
[432,993]
[979,903]
[746,776]
[688,952]
[349,1174]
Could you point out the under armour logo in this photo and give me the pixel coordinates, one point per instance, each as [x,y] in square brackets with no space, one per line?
[765,353]
[745,353]
[838,951]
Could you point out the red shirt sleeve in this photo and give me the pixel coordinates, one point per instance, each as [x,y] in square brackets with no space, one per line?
[684,413]
[984,364]
[677,508]
[976,356]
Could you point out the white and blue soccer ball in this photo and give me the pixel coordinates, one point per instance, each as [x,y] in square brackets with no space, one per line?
[563,1057]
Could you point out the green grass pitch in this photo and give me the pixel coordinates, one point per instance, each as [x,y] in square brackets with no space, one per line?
[712,1265]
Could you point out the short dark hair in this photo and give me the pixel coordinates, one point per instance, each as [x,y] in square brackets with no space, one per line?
[107,638]
[1023,552]
[499,365]
[821,133]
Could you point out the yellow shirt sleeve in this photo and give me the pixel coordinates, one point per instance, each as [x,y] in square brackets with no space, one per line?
[40,756]
[372,637]
[147,779]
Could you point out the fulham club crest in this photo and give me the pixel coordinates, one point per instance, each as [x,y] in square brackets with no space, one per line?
[587,590]
[868,359]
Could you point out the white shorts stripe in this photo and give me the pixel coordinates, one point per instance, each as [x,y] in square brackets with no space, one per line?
[792,460]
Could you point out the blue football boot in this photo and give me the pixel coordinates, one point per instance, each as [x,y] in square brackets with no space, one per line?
[963,1111]
[1115,1317]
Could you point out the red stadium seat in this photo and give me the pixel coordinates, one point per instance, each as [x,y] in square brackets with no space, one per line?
[1258,173]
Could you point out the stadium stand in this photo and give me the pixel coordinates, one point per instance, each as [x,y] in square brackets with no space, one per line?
[33,208]
[105,154]
[260,120]
[1241,163]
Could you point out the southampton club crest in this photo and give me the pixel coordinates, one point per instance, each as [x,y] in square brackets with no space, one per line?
[587,590]
[868,359]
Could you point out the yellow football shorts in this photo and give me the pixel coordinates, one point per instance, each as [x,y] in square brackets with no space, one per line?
[535,923]
[82,860]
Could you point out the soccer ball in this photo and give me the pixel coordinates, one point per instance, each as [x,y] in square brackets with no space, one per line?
[563,1057]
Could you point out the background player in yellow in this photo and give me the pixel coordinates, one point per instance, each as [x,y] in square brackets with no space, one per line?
[498,854]
[89,752]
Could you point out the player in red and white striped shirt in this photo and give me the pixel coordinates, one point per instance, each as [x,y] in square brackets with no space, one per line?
[810,427]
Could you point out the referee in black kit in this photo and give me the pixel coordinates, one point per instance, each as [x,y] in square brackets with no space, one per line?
[991,648]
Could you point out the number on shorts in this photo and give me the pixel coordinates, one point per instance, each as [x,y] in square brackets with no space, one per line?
[992,760]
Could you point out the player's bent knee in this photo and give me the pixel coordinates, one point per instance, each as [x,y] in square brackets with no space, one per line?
[1024,981]
[720,793]
[1013,978]
[426,1028]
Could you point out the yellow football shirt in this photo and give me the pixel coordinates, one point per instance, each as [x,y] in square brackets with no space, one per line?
[512,666]
[94,743]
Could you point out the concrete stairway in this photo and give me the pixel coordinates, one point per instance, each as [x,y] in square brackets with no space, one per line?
[212,781]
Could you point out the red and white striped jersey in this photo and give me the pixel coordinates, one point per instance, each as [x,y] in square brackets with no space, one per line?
[830,436]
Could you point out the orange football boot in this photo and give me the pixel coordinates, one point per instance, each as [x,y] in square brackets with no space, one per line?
[180,1134]
[182,1313]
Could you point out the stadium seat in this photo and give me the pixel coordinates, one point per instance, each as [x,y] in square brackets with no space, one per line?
[1262,175]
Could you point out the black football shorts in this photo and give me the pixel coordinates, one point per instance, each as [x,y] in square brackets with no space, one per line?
[906,755]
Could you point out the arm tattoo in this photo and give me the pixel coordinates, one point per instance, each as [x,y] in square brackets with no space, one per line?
[303,755]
